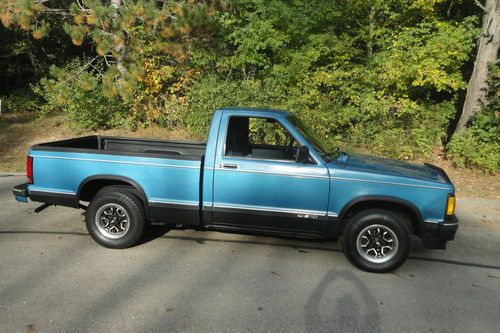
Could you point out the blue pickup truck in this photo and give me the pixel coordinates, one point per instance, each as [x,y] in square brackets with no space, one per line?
[261,171]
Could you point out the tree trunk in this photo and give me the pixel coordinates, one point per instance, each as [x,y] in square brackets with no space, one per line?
[487,52]
[371,31]
[120,48]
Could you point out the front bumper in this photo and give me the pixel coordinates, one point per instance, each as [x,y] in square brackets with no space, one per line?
[21,192]
[437,234]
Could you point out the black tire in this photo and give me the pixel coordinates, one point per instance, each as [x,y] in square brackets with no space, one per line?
[371,228]
[123,206]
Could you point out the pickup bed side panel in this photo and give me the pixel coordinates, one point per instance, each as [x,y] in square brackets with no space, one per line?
[171,186]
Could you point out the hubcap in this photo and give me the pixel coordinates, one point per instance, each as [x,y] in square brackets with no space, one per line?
[112,220]
[377,243]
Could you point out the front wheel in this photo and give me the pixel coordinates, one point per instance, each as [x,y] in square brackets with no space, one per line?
[377,241]
[115,218]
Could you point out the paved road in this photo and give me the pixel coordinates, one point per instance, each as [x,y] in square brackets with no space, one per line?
[53,277]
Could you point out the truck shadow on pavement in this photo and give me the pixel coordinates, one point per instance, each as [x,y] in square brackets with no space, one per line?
[352,312]
[161,232]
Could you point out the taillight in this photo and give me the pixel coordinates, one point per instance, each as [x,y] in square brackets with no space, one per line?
[29,169]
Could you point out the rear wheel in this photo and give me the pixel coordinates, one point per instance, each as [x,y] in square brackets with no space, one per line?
[377,241]
[115,218]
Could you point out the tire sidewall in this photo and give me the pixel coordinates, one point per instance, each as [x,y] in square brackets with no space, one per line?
[136,216]
[387,219]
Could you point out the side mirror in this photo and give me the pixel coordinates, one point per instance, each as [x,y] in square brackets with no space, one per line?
[302,155]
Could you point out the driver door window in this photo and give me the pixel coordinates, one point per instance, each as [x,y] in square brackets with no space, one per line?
[259,138]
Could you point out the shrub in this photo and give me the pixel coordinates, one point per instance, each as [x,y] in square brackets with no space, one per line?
[479,145]
[211,93]
[78,94]
[20,101]
[80,91]
[404,129]
[387,125]
[467,150]
[159,94]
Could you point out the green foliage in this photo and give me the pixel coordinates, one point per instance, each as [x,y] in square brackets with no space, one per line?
[381,74]
[211,92]
[24,14]
[24,60]
[159,97]
[126,33]
[479,145]
[262,132]
[431,54]
[312,59]
[77,93]
[467,150]
[20,101]
[119,32]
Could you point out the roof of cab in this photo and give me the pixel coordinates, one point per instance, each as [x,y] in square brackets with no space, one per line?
[276,112]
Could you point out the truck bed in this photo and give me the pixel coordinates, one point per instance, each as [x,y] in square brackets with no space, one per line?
[128,146]
[167,174]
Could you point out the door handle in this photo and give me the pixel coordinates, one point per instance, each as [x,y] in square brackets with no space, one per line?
[229,166]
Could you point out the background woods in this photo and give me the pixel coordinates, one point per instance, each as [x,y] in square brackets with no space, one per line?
[396,77]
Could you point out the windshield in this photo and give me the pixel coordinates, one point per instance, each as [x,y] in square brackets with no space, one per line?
[318,143]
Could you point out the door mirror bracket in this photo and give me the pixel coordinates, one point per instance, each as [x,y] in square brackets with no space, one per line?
[302,155]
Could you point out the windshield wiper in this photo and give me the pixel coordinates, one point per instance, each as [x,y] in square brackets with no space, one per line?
[335,153]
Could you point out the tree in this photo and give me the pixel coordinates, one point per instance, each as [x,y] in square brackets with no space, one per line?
[487,52]
[119,32]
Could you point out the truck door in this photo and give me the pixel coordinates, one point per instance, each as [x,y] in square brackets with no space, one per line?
[258,185]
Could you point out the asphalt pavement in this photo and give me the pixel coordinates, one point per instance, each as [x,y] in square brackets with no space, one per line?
[54,277]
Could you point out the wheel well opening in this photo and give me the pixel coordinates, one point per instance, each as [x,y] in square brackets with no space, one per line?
[406,213]
[90,189]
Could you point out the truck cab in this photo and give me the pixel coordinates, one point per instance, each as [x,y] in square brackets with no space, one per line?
[266,175]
